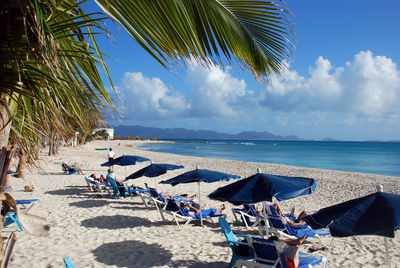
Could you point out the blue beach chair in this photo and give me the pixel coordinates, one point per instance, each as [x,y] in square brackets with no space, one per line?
[68,263]
[69,171]
[279,225]
[12,216]
[246,216]
[267,255]
[235,244]
[115,187]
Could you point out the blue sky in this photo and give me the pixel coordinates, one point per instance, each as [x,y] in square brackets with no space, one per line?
[344,82]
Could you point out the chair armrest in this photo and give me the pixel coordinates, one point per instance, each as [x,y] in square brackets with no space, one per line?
[238,242]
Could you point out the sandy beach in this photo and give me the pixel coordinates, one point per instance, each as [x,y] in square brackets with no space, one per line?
[98,231]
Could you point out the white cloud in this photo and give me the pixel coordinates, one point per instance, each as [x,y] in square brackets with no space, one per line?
[150,98]
[215,92]
[364,91]
[369,85]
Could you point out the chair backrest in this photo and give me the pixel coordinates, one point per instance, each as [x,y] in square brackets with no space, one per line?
[265,252]
[184,211]
[253,211]
[153,192]
[64,167]
[274,218]
[113,184]
[172,206]
[68,263]
[226,229]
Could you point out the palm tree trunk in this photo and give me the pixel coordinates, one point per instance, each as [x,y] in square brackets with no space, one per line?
[5,123]
[21,165]
[5,160]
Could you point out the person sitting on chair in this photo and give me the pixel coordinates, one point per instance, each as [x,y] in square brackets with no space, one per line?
[290,247]
[120,182]
[299,220]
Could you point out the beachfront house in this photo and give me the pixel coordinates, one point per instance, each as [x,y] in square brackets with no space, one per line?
[110,132]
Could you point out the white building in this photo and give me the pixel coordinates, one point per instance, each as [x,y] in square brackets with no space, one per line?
[110,132]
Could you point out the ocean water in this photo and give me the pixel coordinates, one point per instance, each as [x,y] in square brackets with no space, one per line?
[365,157]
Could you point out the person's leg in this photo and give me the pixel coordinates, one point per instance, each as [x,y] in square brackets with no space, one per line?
[278,209]
[221,208]
[80,171]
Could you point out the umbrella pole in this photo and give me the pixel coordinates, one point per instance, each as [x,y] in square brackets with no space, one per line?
[387,252]
[201,216]
[265,219]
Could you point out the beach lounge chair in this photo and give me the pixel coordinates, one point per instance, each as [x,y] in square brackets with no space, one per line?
[240,249]
[27,204]
[11,217]
[172,208]
[179,212]
[280,226]
[267,255]
[115,187]
[68,263]
[152,196]
[69,171]
[246,216]
[96,185]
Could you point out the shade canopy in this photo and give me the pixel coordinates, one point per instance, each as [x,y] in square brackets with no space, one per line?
[153,170]
[198,175]
[374,214]
[125,160]
[262,187]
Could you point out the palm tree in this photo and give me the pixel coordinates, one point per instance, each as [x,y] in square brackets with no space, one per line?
[50,81]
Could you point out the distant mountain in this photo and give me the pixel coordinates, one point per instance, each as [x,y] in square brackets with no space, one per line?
[182,133]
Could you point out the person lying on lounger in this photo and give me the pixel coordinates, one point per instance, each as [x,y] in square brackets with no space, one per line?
[181,197]
[299,220]
[71,168]
[290,247]
[100,179]
[209,212]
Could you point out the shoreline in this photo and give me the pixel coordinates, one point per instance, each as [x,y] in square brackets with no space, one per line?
[150,142]
[91,230]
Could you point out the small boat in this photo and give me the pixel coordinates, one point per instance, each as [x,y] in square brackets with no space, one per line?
[101,149]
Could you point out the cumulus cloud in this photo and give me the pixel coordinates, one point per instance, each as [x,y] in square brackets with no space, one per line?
[215,92]
[368,85]
[150,98]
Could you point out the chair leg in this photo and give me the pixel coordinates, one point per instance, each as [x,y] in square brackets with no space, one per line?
[13,217]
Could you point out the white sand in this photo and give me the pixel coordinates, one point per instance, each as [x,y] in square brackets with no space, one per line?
[102,232]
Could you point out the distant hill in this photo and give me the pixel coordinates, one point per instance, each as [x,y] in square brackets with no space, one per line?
[182,133]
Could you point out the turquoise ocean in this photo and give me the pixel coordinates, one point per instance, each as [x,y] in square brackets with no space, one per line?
[366,157]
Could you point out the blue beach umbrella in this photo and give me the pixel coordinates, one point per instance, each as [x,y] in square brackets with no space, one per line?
[263,187]
[374,214]
[199,175]
[153,170]
[125,160]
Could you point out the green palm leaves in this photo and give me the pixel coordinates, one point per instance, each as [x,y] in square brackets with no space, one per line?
[49,63]
[50,83]
[255,34]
